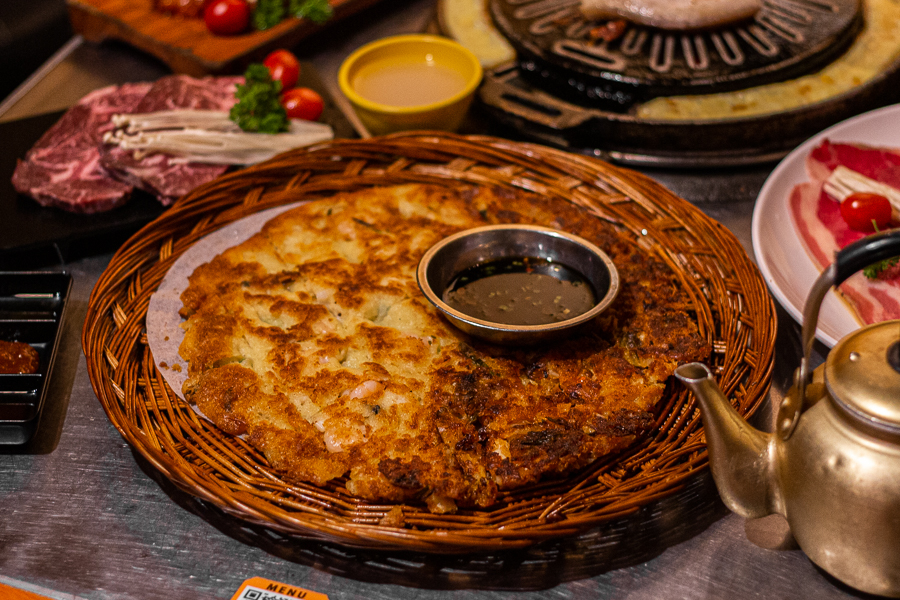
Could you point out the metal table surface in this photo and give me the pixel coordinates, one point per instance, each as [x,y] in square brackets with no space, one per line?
[84,517]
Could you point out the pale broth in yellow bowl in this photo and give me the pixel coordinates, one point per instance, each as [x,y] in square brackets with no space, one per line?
[410,82]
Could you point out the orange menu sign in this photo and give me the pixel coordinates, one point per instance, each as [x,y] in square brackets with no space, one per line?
[11,593]
[259,588]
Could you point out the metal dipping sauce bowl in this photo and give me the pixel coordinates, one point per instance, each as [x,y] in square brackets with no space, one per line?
[444,261]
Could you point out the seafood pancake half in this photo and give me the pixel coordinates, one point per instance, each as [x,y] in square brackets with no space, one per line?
[313,340]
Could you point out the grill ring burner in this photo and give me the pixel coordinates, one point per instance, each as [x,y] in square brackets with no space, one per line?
[625,139]
[785,39]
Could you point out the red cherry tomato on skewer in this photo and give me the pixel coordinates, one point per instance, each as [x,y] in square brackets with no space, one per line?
[864,211]
[227,17]
[284,67]
[302,103]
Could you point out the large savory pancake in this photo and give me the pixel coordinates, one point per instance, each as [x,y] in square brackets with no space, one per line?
[313,340]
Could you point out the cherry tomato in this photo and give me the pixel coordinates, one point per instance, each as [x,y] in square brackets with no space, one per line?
[861,209]
[302,103]
[284,67]
[227,17]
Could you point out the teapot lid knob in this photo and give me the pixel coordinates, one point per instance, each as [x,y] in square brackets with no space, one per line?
[862,373]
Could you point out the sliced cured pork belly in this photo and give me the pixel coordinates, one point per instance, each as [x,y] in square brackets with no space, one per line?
[160,174]
[673,14]
[63,168]
[817,218]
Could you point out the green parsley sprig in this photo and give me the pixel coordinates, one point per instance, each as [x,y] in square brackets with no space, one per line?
[317,11]
[258,106]
[269,13]
[873,271]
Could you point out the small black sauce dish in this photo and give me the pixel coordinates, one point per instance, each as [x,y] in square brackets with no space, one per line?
[443,263]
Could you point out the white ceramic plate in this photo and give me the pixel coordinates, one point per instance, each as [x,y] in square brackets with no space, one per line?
[785,264]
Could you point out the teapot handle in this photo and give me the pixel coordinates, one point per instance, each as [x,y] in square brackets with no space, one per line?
[855,257]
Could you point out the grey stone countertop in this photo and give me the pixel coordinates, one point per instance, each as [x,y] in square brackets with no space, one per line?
[85,517]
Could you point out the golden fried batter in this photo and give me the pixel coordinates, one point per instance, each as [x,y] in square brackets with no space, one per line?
[314,341]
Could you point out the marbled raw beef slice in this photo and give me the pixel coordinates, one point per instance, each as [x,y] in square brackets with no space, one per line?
[160,174]
[63,168]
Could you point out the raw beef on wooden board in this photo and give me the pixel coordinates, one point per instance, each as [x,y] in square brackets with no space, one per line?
[63,168]
[823,231]
[160,174]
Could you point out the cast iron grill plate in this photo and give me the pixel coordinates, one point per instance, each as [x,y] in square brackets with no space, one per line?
[31,311]
[557,52]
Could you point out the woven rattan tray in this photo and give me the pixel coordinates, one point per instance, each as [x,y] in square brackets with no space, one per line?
[731,303]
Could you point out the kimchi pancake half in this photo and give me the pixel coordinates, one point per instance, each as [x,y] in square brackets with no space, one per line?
[313,340]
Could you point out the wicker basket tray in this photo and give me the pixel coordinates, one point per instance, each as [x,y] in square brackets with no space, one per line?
[731,303]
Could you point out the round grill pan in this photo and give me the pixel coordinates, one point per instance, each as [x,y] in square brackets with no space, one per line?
[559,52]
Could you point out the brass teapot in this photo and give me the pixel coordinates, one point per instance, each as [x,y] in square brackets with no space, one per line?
[832,466]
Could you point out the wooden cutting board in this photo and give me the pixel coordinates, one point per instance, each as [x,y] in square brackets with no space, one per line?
[186,45]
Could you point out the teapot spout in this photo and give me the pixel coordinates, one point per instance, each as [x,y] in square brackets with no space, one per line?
[740,456]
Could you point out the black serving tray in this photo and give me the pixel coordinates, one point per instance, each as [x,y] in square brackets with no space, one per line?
[27,228]
[32,304]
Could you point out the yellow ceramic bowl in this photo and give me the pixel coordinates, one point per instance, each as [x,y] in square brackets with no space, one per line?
[409,82]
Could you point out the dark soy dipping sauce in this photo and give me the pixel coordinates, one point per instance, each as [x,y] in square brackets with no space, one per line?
[521,291]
